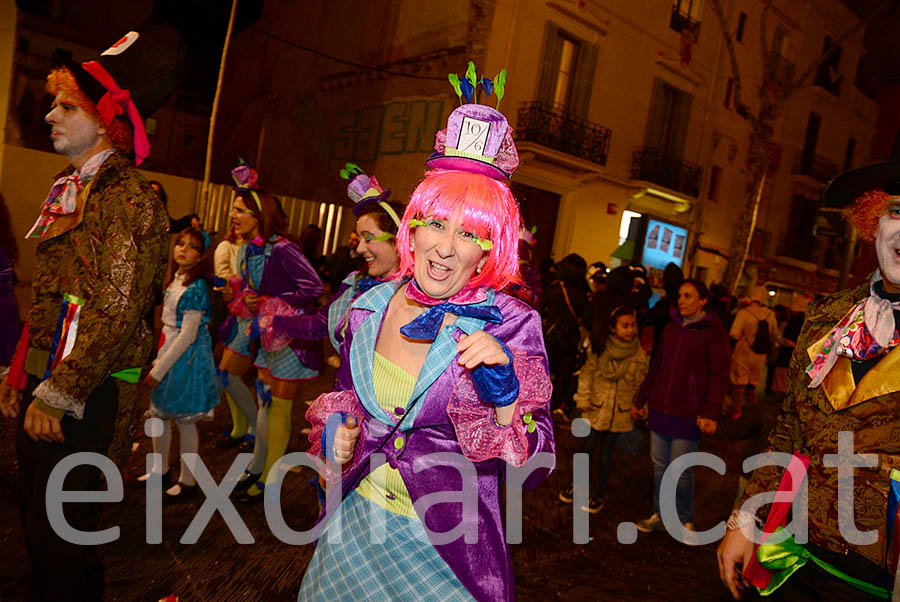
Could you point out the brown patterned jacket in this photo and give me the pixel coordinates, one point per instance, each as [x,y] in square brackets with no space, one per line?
[811,419]
[111,251]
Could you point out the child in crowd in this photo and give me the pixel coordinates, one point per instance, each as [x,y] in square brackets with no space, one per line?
[607,384]
[183,378]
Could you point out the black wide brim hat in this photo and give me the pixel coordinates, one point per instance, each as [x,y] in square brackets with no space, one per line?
[850,185]
[150,65]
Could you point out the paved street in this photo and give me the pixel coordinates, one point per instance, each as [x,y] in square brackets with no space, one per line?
[548,565]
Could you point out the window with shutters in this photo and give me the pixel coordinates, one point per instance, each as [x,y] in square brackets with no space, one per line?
[715,183]
[670,113]
[567,71]
[741,24]
[661,158]
[848,153]
[829,75]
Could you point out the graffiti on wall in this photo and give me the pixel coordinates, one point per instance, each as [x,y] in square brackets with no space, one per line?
[394,128]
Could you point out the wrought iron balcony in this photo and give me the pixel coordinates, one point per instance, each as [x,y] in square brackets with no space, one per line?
[682,22]
[814,166]
[559,130]
[653,165]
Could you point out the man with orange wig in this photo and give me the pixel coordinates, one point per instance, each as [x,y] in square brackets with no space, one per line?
[839,418]
[102,237]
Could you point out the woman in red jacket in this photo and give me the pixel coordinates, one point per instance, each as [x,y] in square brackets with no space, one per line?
[685,386]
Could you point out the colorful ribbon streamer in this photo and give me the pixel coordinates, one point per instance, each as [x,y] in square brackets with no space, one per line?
[785,558]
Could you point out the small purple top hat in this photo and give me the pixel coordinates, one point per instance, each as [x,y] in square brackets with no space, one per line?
[478,138]
[363,190]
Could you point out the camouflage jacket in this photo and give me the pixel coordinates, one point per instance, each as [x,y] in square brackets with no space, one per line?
[811,419]
[111,252]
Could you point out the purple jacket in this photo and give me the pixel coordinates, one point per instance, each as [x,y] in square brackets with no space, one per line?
[445,415]
[688,374]
[287,274]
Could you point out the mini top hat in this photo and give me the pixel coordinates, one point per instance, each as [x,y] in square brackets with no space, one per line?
[478,138]
[365,190]
[850,185]
[246,179]
[134,76]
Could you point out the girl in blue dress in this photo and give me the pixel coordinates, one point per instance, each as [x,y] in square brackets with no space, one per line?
[183,378]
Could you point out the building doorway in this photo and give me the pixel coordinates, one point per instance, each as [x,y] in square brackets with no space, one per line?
[539,208]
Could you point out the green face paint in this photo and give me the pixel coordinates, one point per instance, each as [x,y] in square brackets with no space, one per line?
[383,237]
[485,244]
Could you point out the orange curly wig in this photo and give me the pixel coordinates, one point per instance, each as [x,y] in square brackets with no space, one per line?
[865,212]
[119,132]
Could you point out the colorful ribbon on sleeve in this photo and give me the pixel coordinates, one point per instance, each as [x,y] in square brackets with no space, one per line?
[66,331]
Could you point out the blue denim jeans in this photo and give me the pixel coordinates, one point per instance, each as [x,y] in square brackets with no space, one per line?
[664,449]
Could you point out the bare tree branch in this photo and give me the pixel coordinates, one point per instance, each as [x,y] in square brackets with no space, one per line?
[739,106]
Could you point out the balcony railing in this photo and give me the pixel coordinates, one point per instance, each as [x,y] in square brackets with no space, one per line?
[782,70]
[653,165]
[814,166]
[682,22]
[541,123]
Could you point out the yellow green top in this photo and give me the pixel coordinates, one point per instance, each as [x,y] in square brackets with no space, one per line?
[384,485]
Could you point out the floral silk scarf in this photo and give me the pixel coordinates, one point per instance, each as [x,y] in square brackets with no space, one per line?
[867,331]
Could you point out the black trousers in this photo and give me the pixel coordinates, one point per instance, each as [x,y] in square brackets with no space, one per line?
[61,570]
[602,462]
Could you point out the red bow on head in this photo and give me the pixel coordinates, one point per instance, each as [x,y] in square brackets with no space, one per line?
[115,102]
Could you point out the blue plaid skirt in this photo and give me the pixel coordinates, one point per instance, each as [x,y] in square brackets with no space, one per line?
[283,364]
[404,566]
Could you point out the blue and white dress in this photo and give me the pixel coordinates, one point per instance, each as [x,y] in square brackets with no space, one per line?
[184,367]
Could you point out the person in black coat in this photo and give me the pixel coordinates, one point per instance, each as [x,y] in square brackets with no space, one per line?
[563,307]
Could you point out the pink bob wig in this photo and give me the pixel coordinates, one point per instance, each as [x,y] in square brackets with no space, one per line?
[489,210]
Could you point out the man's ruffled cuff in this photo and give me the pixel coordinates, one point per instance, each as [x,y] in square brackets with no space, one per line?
[473,420]
[328,412]
[497,385]
[59,399]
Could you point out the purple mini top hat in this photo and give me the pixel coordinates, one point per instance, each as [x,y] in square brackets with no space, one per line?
[478,138]
[363,190]
[246,179]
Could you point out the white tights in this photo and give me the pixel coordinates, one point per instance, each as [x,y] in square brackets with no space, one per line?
[188,443]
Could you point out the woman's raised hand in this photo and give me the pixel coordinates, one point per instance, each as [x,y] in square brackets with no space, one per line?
[480,348]
[345,440]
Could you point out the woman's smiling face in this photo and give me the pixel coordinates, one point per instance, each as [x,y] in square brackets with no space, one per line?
[446,256]
[380,255]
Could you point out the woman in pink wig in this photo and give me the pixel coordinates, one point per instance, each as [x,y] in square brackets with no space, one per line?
[448,387]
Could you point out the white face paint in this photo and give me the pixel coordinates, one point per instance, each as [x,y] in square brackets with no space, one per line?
[73,132]
[887,246]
